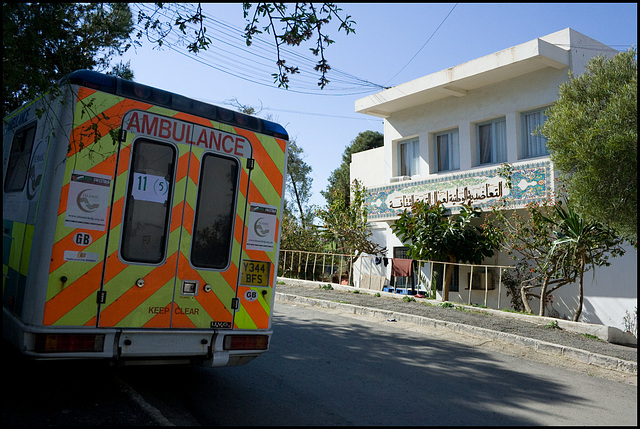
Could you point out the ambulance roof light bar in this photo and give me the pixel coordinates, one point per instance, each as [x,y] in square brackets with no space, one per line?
[148,94]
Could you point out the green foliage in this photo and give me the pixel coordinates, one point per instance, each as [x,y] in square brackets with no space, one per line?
[408,299]
[299,183]
[591,336]
[552,325]
[346,226]
[339,180]
[294,236]
[555,243]
[580,244]
[43,42]
[592,133]
[301,22]
[288,23]
[432,234]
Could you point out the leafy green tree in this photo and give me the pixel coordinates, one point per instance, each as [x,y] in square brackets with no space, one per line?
[433,235]
[527,238]
[340,180]
[296,237]
[557,244]
[299,183]
[288,23]
[42,42]
[592,133]
[581,245]
[346,226]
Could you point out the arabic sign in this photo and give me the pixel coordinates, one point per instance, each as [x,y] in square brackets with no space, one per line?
[480,188]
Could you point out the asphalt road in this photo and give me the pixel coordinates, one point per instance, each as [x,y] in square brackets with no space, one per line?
[328,368]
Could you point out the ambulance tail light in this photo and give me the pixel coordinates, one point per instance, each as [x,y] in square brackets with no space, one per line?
[68,343]
[246,342]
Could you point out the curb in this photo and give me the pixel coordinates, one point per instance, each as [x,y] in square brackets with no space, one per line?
[583,356]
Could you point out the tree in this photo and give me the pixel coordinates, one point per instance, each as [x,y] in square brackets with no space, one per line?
[298,184]
[296,237]
[581,245]
[63,37]
[42,42]
[346,226]
[288,23]
[433,235]
[340,179]
[555,243]
[592,133]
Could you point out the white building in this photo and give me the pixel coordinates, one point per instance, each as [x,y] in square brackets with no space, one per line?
[446,134]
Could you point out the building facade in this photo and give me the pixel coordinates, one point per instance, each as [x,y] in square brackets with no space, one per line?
[446,135]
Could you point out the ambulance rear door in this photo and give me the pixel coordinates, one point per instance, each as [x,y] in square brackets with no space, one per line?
[176,227]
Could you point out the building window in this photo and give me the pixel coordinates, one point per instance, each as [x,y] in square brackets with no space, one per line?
[532,144]
[492,141]
[408,157]
[447,151]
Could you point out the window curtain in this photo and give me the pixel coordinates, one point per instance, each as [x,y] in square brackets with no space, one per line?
[442,147]
[454,152]
[492,142]
[485,145]
[534,145]
[448,151]
[500,141]
[409,157]
[415,158]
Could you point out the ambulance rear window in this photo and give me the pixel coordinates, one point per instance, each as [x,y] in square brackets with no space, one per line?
[215,212]
[18,166]
[146,219]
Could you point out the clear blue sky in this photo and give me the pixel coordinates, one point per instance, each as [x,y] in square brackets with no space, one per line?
[382,51]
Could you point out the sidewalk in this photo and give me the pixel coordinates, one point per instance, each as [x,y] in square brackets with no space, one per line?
[572,340]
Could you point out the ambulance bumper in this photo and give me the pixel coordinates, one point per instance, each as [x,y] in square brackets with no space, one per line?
[137,346]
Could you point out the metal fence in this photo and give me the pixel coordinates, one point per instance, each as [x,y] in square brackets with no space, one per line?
[374,273]
[322,267]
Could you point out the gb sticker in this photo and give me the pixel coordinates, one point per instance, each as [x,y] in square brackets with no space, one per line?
[251,295]
[82,239]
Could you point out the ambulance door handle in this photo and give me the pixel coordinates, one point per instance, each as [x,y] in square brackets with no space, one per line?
[140,282]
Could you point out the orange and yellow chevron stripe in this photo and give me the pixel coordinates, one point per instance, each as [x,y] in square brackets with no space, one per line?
[74,285]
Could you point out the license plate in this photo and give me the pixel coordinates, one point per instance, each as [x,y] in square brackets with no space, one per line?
[255,273]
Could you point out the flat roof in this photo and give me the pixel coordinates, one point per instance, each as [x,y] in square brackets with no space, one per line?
[459,80]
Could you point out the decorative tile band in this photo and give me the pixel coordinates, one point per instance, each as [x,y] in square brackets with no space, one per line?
[531,181]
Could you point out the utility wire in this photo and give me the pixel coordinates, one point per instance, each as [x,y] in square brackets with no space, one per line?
[255,64]
[425,43]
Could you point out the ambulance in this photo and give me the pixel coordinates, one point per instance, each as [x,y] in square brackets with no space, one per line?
[139,226]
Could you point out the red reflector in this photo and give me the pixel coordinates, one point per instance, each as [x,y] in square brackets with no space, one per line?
[246,342]
[66,343]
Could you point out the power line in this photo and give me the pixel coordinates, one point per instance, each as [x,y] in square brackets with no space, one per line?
[425,43]
[255,64]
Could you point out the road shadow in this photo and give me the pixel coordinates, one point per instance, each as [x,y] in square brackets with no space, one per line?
[322,373]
